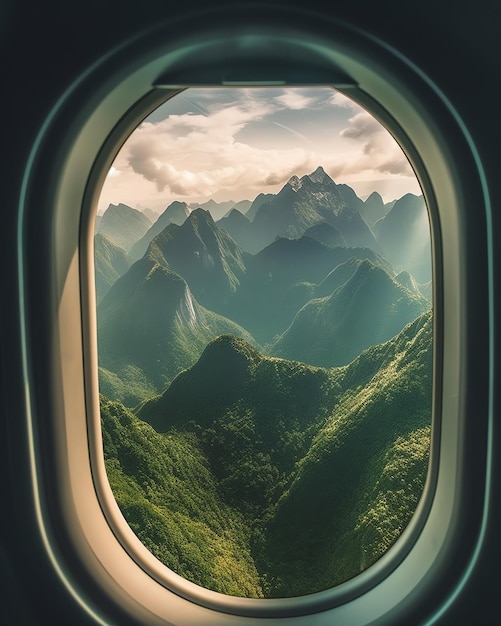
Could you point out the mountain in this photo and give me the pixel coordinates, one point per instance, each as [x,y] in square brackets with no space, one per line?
[356,489]
[232,373]
[204,255]
[260,199]
[151,215]
[110,262]
[373,208]
[369,308]
[219,209]
[238,226]
[281,278]
[149,328]
[325,233]
[325,467]
[304,202]
[175,213]
[123,225]
[404,236]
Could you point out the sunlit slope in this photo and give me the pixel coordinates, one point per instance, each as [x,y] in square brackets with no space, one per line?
[149,328]
[325,465]
[404,236]
[169,496]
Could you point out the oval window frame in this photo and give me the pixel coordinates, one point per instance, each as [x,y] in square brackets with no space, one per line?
[71,174]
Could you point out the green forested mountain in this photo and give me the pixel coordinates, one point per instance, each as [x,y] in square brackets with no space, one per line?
[238,226]
[149,328]
[204,255]
[123,225]
[282,470]
[358,485]
[326,233]
[170,498]
[369,308]
[263,476]
[110,262]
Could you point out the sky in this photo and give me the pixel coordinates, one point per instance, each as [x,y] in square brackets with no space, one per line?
[234,143]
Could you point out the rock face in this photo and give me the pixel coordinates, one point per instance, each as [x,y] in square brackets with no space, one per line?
[308,201]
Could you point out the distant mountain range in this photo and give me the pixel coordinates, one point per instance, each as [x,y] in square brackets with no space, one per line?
[312,205]
[310,298]
[302,203]
[219,209]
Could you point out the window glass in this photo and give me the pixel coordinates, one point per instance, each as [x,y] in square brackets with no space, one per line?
[263,279]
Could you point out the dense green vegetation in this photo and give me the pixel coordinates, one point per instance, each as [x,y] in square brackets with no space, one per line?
[169,497]
[259,476]
[150,327]
[369,308]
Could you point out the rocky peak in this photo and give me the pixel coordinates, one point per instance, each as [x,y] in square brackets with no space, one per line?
[295,182]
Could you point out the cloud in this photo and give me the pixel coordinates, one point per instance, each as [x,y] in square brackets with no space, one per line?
[362,125]
[197,154]
[201,151]
[295,100]
[378,151]
[339,100]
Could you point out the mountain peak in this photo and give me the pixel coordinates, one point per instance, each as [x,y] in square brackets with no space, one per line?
[295,182]
[177,205]
[200,214]
[319,175]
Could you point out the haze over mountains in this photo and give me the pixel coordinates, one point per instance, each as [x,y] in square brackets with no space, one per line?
[272,343]
[285,296]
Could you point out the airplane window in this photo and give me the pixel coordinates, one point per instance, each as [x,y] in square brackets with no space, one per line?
[264,308]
